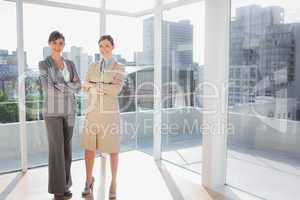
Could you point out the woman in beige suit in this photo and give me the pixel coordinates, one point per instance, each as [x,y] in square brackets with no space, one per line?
[101,131]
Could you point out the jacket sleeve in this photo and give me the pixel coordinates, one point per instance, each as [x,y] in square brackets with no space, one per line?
[74,84]
[114,89]
[87,78]
[48,84]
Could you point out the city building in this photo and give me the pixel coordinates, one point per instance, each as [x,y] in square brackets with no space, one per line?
[177,59]
[264,58]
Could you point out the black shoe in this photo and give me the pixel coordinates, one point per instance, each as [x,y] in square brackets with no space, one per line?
[58,196]
[68,195]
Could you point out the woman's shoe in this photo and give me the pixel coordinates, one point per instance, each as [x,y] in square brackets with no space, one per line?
[59,196]
[88,189]
[112,195]
[68,195]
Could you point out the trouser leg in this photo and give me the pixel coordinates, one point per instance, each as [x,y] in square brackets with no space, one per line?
[57,174]
[68,133]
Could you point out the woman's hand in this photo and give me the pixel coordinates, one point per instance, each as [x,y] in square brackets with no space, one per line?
[116,81]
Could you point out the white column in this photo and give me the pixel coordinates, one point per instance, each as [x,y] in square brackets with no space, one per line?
[157,80]
[103,17]
[103,171]
[21,85]
[217,21]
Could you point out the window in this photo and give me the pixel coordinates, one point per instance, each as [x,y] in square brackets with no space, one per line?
[182,61]
[9,113]
[264,149]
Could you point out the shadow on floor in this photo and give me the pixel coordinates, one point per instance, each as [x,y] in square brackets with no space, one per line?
[172,187]
[10,186]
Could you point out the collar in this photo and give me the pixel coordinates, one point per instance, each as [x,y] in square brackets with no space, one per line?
[51,63]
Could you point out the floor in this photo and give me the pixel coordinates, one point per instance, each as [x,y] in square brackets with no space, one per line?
[140,177]
[265,174]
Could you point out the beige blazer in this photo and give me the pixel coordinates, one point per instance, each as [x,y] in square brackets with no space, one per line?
[102,122]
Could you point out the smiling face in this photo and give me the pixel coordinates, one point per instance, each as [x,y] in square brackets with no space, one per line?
[106,48]
[57,45]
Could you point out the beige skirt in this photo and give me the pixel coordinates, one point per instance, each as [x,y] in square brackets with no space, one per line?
[101,129]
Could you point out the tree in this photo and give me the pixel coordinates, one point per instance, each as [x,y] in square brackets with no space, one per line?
[8,109]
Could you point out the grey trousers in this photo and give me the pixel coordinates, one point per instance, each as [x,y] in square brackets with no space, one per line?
[60,153]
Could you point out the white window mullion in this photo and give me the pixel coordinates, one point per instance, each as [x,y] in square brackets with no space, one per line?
[21,85]
[215,95]
[157,80]
[102,17]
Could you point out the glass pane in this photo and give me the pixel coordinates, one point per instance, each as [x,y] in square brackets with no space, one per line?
[9,116]
[145,88]
[81,47]
[137,93]
[130,5]
[127,37]
[264,98]
[127,95]
[182,59]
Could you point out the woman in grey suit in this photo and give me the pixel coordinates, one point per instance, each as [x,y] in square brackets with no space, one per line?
[60,82]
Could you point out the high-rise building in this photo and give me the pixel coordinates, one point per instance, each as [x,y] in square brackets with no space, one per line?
[177,43]
[120,59]
[97,57]
[46,52]
[264,59]
[177,57]
[8,73]
[138,58]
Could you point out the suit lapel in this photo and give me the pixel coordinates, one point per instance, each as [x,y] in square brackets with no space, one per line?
[55,73]
[70,69]
[52,68]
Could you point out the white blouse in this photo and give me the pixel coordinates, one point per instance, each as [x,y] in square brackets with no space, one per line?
[65,72]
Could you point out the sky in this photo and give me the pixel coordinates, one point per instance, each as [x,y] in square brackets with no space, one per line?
[82,28]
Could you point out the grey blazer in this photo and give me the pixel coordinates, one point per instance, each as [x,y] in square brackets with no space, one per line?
[59,98]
